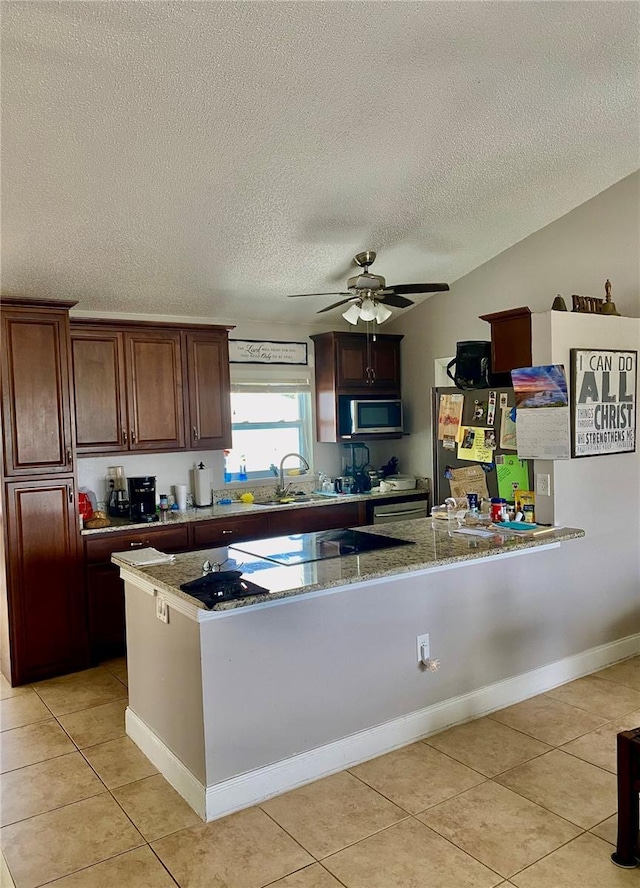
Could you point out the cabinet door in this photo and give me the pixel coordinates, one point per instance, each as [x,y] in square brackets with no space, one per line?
[209,424]
[36,405]
[154,390]
[386,364]
[45,590]
[363,362]
[105,589]
[353,361]
[99,385]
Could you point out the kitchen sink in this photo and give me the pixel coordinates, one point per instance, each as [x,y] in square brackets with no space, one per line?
[293,500]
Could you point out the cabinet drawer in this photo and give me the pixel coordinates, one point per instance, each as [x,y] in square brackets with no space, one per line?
[166,539]
[224,531]
[317,518]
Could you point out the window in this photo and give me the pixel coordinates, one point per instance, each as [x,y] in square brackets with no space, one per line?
[268,419]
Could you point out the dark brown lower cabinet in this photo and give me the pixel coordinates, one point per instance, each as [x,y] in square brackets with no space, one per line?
[315,519]
[105,589]
[46,615]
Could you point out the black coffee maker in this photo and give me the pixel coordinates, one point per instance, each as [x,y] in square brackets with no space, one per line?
[142,498]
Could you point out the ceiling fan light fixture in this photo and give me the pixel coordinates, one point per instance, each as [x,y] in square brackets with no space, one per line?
[352,314]
[382,313]
[368,309]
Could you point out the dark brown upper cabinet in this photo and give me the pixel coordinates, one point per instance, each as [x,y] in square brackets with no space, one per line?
[150,387]
[208,386]
[102,424]
[366,364]
[352,365]
[510,339]
[36,411]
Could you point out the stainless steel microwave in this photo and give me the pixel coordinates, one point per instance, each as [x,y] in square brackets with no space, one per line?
[375,417]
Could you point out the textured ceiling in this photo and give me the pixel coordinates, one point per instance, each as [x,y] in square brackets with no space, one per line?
[206,159]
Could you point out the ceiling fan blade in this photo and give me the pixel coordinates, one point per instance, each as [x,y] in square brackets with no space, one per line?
[336,304]
[298,295]
[418,288]
[396,301]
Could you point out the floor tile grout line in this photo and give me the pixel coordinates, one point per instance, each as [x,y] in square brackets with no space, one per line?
[533,863]
[550,810]
[546,854]
[57,808]
[301,869]
[318,859]
[458,847]
[586,761]
[89,866]
[422,810]
[556,749]
[563,845]
[163,864]
[548,742]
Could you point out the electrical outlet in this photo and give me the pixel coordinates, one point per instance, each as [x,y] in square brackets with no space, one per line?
[543,484]
[423,648]
[162,609]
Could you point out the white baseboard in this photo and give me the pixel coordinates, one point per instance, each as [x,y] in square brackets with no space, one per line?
[256,786]
[169,765]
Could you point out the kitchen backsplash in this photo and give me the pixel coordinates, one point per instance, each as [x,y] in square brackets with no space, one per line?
[177,468]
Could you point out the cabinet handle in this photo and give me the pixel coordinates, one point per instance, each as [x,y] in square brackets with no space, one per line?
[125,437]
[70,495]
[68,455]
[227,531]
[133,437]
[196,436]
[135,545]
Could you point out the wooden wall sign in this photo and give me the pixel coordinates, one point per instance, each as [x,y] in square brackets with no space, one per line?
[255,351]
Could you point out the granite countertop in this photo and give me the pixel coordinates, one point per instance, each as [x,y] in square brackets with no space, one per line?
[238,508]
[434,547]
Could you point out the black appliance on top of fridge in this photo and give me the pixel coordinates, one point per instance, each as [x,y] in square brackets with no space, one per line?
[444,459]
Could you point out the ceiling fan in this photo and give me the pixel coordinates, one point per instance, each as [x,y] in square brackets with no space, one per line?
[369,294]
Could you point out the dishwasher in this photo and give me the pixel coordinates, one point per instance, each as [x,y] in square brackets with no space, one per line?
[386,513]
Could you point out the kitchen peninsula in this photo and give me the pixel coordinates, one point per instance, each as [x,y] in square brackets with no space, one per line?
[262,694]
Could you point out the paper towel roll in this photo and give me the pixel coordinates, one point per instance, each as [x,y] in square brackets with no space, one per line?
[202,486]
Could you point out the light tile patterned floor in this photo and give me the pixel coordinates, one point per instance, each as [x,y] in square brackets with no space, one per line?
[525,797]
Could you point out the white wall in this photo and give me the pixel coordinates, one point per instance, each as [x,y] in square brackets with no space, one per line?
[575,254]
[596,582]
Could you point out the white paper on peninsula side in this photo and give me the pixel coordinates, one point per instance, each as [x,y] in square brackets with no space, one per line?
[145,557]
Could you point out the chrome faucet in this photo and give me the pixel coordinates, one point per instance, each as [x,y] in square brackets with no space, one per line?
[283,488]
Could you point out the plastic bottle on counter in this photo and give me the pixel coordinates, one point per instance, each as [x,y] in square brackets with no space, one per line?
[499,509]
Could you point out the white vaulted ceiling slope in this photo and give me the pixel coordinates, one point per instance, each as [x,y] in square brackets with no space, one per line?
[206,159]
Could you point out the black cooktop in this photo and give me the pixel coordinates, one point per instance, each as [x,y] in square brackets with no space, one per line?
[303,547]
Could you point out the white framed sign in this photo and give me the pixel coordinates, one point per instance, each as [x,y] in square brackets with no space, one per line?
[258,351]
[603,401]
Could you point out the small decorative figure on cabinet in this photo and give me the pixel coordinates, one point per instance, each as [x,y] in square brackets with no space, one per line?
[609,307]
